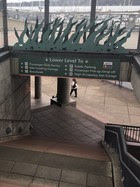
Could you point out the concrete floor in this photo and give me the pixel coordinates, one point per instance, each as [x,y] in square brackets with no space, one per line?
[100,99]
[66,124]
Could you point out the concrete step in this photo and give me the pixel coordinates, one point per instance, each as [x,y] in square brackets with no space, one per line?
[64,150]
[32,168]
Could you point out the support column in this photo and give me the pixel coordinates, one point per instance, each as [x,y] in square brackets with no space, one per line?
[93,10]
[63,91]
[5,26]
[37,87]
[138,45]
[38,79]
[46,12]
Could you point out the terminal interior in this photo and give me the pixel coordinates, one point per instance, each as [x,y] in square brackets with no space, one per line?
[51,138]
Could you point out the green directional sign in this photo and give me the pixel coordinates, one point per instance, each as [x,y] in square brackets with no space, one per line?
[70,66]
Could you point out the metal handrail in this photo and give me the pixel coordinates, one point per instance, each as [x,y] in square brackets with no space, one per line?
[130,166]
[131,133]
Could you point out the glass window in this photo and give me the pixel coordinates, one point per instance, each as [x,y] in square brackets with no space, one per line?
[70,8]
[128,15]
[18,12]
[67,9]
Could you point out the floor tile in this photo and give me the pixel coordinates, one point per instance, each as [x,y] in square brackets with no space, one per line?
[76,129]
[66,184]
[135,120]
[134,110]
[99,181]
[86,130]
[74,177]
[85,139]
[3,175]
[51,183]
[116,109]
[87,123]
[78,133]
[20,179]
[24,168]
[116,118]
[6,165]
[12,183]
[92,99]
[48,172]
[40,182]
[37,182]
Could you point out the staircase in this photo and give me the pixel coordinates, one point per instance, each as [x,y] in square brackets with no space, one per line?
[63,150]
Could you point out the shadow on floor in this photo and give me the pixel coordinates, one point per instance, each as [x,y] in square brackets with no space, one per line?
[66,124]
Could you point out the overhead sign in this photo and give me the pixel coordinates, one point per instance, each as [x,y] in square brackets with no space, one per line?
[79,67]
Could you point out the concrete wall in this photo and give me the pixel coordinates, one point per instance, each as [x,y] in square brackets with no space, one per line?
[14,102]
[125,71]
[135,81]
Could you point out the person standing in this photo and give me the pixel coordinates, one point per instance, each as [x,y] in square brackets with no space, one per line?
[74,87]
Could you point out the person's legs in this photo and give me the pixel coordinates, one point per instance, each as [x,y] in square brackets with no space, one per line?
[71,91]
[75,92]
